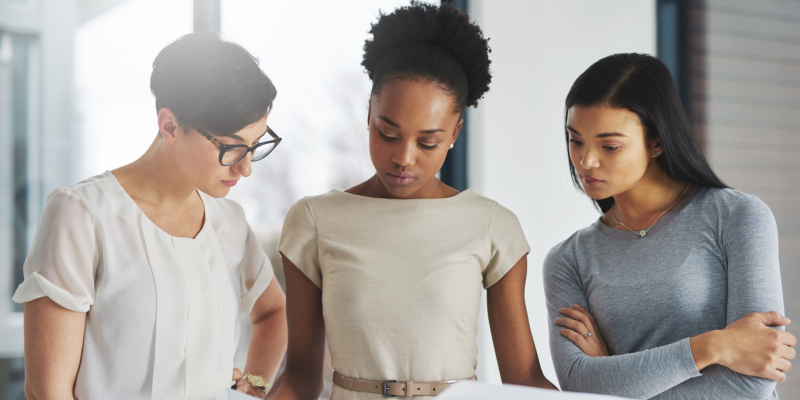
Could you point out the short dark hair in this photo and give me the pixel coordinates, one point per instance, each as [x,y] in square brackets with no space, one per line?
[211,84]
[430,42]
[643,84]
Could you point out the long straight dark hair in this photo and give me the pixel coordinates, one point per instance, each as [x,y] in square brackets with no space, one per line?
[643,84]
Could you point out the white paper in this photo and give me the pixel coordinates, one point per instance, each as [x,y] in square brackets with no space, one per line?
[234,395]
[471,390]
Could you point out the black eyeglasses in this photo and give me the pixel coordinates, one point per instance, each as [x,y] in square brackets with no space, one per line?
[230,154]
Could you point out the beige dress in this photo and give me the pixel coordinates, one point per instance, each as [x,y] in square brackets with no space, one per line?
[401,280]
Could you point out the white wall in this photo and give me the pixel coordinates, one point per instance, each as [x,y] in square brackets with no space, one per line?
[517,150]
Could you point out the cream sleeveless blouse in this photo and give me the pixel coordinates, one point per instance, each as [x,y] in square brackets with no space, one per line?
[162,311]
[401,280]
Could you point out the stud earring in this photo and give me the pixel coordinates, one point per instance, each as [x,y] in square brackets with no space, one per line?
[658,153]
[451,145]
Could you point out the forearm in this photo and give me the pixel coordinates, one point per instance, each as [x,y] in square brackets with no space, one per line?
[295,383]
[642,374]
[720,383]
[53,346]
[267,345]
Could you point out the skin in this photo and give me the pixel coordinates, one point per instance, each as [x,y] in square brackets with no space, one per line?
[610,145]
[411,126]
[164,184]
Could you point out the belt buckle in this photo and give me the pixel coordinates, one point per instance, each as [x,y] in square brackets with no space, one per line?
[386,388]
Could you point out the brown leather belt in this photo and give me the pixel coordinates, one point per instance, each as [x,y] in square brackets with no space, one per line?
[393,388]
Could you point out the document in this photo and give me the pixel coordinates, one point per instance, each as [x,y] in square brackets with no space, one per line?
[471,390]
[234,395]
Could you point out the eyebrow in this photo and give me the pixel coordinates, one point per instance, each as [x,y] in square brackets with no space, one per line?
[600,135]
[241,139]
[396,125]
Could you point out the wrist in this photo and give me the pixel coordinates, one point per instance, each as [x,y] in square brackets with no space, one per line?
[706,349]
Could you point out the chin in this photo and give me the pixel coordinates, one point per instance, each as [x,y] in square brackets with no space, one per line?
[401,191]
[216,191]
[596,193]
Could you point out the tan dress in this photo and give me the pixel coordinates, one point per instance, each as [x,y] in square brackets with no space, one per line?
[401,280]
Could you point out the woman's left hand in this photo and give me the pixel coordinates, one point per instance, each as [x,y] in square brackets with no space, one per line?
[579,325]
[244,387]
[241,385]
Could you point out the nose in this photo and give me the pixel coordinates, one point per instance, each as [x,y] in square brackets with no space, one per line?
[589,159]
[245,166]
[403,154]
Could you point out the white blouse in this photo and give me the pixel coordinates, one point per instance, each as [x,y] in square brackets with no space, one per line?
[162,311]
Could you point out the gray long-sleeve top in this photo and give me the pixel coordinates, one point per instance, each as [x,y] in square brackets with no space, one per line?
[706,264]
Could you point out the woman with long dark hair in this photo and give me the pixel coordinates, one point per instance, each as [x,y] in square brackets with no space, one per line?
[392,269]
[673,291]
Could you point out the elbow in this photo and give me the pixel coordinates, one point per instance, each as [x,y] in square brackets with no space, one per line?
[569,379]
[299,380]
[759,388]
[742,386]
[35,391]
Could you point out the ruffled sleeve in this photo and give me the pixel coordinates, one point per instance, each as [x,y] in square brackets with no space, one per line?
[507,244]
[64,255]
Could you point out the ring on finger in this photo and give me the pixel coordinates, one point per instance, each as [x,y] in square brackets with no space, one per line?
[587,335]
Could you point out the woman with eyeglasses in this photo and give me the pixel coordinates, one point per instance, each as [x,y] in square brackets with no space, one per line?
[136,278]
[675,291]
[392,270]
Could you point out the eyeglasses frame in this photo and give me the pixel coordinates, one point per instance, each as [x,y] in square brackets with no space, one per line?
[250,149]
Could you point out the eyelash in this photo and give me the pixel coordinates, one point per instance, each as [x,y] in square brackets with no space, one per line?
[609,148]
[392,139]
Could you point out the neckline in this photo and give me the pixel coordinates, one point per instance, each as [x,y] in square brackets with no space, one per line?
[457,195]
[132,201]
[620,234]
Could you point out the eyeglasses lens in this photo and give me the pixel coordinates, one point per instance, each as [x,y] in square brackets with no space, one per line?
[233,155]
[263,151]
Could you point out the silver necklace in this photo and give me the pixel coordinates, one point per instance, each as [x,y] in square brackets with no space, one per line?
[643,232]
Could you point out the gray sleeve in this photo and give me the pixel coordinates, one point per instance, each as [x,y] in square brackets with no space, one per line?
[748,238]
[641,375]
[749,241]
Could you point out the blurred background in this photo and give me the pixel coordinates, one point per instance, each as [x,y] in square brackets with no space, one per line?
[75,102]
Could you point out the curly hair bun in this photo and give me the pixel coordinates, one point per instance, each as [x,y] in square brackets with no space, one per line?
[426,41]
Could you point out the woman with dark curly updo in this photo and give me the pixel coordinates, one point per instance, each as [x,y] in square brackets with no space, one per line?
[393,268]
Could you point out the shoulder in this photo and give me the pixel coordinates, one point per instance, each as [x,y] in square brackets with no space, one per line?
[333,198]
[94,194]
[564,254]
[321,204]
[486,206]
[732,204]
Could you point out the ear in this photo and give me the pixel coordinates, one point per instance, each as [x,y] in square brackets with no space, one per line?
[369,110]
[457,130]
[656,148]
[168,126]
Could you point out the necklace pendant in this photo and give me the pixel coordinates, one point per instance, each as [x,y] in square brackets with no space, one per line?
[642,233]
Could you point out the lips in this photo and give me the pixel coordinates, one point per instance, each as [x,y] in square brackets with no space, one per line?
[230,183]
[400,177]
[591,181]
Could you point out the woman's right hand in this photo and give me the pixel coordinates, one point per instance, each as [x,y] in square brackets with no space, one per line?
[748,346]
